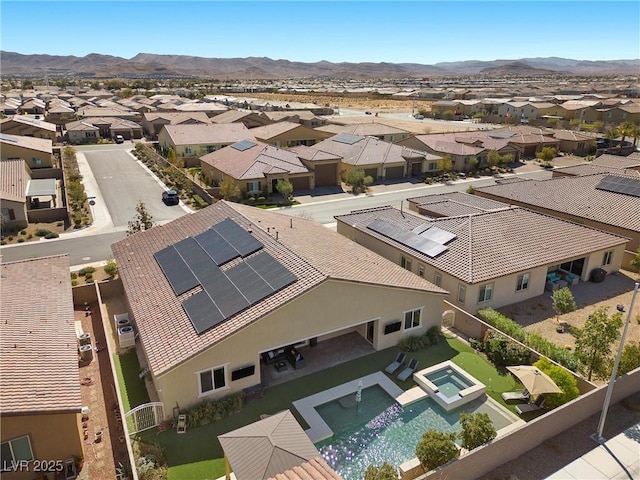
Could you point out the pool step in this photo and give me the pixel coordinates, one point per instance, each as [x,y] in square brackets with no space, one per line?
[410,396]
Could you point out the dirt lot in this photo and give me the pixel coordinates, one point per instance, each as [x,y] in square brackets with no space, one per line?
[537,314]
[28,234]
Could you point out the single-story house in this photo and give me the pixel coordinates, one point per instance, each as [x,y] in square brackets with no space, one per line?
[378,159]
[597,200]
[37,152]
[324,165]
[303,117]
[14,178]
[589,168]
[25,126]
[153,122]
[256,167]
[381,131]
[630,162]
[488,259]
[249,119]
[575,142]
[215,292]
[452,204]
[89,130]
[191,141]
[289,134]
[40,399]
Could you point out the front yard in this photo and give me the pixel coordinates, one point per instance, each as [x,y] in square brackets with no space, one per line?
[197,453]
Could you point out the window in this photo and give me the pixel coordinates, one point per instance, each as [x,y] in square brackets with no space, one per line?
[462,290]
[405,262]
[437,279]
[485,293]
[522,283]
[421,270]
[37,161]
[187,149]
[253,186]
[608,256]
[8,214]
[412,319]
[212,380]
[433,165]
[13,451]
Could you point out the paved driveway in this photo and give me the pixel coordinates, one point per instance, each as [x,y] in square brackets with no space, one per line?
[123,181]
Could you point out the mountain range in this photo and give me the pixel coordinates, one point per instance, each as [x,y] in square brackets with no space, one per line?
[148,65]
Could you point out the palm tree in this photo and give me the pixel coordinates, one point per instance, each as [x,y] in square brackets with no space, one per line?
[629,129]
[611,134]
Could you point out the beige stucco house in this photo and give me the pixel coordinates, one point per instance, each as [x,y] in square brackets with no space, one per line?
[322,287]
[381,131]
[40,400]
[14,178]
[289,134]
[487,259]
[37,152]
[153,122]
[26,126]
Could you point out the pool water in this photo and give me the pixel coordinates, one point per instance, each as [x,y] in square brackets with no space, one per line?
[448,382]
[364,437]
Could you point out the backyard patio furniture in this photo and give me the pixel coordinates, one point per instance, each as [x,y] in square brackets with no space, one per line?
[182,423]
[520,395]
[407,372]
[295,358]
[530,407]
[396,364]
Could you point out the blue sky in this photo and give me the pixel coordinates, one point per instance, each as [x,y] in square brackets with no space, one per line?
[416,31]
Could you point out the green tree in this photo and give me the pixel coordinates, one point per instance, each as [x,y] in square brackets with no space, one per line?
[493,159]
[385,471]
[546,156]
[629,129]
[141,221]
[228,188]
[171,156]
[436,448]
[473,163]
[630,359]
[284,188]
[445,164]
[477,429]
[111,268]
[563,379]
[563,302]
[357,180]
[594,343]
[635,261]
[471,190]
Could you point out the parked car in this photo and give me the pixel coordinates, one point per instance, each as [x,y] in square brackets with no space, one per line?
[419,117]
[119,139]
[170,197]
[367,113]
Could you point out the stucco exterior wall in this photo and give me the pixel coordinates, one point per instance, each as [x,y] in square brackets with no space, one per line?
[19,213]
[331,307]
[53,437]
[17,151]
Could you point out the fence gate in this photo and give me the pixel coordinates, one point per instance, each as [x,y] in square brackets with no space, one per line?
[143,417]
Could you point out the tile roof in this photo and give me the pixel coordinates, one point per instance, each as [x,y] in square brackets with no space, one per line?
[39,361]
[463,143]
[273,130]
[312,154]
[254,162]
[573,136]
[201,134]
[363,129]
[315,469]
[481,203]
[176,118]
[309,250]
[489,245]
[618,161]
[592,167]
[13,179]
[370,151]
[576,196]
[26,120]
[232,116]
[31,143]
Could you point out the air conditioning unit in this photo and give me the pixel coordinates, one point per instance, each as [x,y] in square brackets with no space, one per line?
[121,320]
[86,353]
[85,339]
[126,337]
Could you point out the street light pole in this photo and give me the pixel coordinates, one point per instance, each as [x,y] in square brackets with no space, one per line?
[607,399]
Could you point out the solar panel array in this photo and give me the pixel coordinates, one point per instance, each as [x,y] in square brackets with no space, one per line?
[346,138]
[243,145]
[197,260]
[408,238]
[623,185]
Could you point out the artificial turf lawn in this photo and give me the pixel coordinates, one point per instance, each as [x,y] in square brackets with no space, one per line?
[132,387]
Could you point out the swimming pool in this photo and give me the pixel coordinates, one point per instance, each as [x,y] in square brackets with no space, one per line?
[449,385]
[383,431]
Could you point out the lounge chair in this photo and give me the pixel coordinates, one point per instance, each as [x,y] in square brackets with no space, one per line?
[396,364]
[406,373]
[530,407]
[520,395]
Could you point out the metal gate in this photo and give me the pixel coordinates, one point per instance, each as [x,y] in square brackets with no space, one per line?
[143,417]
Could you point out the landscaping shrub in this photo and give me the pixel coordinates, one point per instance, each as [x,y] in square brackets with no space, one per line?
[20,240]
[88,278]
[534,341]
[436,448]
[477,429]
[414,343]
[41,232]
[563,379]
[86,270]
[214,410]
[503,351]
[51,235]
[74,283]
[23,232]
[111,268]
[74,275]
[386,471]
[200,203]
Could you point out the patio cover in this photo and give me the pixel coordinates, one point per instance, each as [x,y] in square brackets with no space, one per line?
[41,187]
[268,447]
[534,380]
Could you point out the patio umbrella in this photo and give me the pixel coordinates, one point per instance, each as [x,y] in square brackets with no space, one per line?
[535,381]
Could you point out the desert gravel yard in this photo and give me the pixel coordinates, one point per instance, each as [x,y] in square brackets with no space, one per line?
[537,315]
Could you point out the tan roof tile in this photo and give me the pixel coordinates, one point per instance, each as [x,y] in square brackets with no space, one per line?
[210,133]
[39,358]
[13,179]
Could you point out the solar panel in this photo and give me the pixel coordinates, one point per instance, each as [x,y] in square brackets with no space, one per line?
[272,271]
[505,134]
[216,247]
[202,312]
[420,228]
[238,237]
[438,235]
[252,286]
[407,238]
[8,139]
[346,138]
[175,270]
[243,145]
[623,185]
